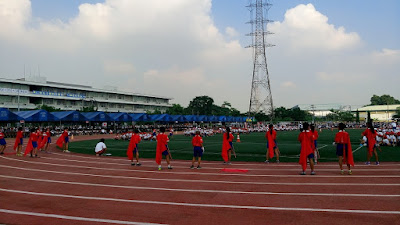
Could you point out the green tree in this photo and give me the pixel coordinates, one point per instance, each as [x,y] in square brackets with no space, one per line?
[201,105]
[176,109]
[384,100]
[88,109]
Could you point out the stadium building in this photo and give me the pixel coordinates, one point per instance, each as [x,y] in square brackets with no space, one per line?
[29,93]
[381,113]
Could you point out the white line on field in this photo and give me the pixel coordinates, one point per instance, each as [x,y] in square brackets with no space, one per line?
[69,217]
[216,163]
[201,181]
[206,168]
[209,205]
[197,173]
[199,190]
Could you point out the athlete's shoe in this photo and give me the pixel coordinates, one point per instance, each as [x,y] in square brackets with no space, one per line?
[277,161]
[266,161]
[198,167]
[66,151]
[159,168]
[138,164]
[170,167]
[377,163]
[303,173]
[192,167]
[133,164]
[342,172]
[350,172]
[312,172]
[368,163]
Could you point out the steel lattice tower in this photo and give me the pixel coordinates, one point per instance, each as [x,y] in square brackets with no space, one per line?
[261,96]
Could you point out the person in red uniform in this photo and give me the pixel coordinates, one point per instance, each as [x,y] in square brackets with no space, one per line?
[31,148]
[315,146]
[198,149]
[46,140]
[40,138]
[370,133]
[162,148]
[227,146]
[19,141]
[307,151]
[343,149]
[63,141]
[272,146]
[133,148]
[3,143]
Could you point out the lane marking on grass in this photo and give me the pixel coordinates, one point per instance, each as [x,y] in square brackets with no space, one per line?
[206,168]
[209,205]
[260,164]
[200,190]
[76,218]
[357,149]
[197,173]
[201,181]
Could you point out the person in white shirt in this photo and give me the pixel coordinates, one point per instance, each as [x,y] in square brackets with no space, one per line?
[100,148]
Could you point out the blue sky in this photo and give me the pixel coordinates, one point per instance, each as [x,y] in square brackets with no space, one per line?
[327,51]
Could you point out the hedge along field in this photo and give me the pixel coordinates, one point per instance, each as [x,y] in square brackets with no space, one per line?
[251,148]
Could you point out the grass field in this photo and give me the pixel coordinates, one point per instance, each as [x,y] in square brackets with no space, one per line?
[251,148]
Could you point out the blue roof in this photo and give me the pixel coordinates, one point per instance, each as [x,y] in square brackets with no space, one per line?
[71,116]
[139,117]
[37,116]
[97,116]
[6,115]
[161,118]
[120,117]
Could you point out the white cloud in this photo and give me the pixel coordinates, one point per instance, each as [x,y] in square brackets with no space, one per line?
[306,28]
[288,84]
[118,68]
[231,32]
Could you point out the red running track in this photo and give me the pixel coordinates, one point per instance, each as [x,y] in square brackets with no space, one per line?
[63,188]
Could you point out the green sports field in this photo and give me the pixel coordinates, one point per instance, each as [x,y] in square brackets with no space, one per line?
[251,148]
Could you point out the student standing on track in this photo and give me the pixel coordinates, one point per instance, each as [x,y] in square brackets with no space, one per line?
[162,148]
[19,141]
[63,141]
[343,149]
[198,149]
[133,148]
[307,152]
[370,133]
[46,140]
[227,146]
[315,146]
[32,143]
[272,146]
[3,143]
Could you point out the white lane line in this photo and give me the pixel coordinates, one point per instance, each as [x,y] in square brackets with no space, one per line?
[261,164]
[207,168]
[324,146]
[209,205]
[357,149]
[201,181]
[199,173]
[71,217]
[200,190]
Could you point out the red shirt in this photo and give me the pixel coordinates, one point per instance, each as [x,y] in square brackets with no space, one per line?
[270,136]
[162,139]
[197,141]
[19,134]
[342,137]
[1,135]
[34,136]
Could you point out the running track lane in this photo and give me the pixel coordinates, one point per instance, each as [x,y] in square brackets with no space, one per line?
[253,217]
